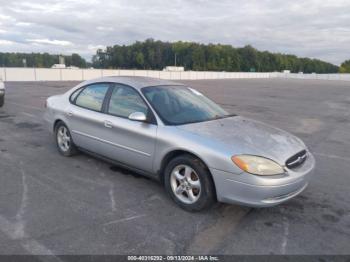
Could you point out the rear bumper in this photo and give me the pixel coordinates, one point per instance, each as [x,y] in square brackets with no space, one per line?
[48,121]
[263,193]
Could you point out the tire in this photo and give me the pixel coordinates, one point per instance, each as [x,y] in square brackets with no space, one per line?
[184,174]
[64,140]
[2,101]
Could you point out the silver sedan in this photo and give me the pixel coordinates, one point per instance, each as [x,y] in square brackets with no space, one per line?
[175,134]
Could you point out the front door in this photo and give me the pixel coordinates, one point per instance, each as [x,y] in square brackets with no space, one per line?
[129,142]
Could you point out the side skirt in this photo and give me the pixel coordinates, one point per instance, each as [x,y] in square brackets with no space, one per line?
[117,163]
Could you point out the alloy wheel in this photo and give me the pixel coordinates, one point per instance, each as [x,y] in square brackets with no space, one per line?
[63,138]
[185,184]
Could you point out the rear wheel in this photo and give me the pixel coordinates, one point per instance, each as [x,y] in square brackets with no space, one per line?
[2,100]
[64,140]
[189,183]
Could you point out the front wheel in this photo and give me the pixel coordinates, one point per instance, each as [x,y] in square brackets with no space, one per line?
[64,140]
[189,183]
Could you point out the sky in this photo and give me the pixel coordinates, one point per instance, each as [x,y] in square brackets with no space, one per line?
[309,28]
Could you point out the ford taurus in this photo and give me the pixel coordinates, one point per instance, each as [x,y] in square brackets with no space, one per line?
[175,134]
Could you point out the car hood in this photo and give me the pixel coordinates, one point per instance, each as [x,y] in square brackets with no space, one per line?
[245,136]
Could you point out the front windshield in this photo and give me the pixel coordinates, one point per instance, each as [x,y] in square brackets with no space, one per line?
[178,105]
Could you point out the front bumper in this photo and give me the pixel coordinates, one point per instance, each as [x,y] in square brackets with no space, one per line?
[250,190]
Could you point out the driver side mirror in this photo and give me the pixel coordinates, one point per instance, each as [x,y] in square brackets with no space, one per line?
[138,116]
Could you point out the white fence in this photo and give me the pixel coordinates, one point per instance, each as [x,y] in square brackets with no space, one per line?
[341,77]
[50,74]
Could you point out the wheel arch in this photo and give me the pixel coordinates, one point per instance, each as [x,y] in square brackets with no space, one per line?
[56,123]
[178,152]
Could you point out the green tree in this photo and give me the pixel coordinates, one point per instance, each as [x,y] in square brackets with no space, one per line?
[78,61]
[345,67]
[152,54]
[38,60]
[140,60]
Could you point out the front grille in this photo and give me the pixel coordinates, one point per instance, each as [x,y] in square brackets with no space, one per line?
[296,160]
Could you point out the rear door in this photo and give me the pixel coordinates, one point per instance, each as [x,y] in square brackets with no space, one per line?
[86,117]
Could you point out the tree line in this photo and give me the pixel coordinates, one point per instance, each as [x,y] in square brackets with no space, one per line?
[39,60]
[152,54]
[156,55]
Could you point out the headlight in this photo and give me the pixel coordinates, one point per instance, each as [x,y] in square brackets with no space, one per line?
[257,165]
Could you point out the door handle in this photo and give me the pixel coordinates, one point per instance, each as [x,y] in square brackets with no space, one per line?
[70,113]
[108,124]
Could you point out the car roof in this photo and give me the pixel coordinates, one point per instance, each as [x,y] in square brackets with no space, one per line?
[137,82]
